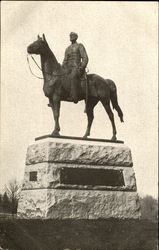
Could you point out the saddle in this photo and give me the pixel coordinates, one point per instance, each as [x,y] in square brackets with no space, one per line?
[82,77]
[82,83]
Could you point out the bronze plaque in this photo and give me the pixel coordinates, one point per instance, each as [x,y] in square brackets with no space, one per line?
[93,177]
[33,176]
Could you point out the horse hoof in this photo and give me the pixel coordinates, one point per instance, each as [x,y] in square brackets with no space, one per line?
[84,137]
[55,133]
[114,138]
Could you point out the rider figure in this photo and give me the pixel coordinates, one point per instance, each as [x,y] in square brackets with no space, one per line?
[75,62]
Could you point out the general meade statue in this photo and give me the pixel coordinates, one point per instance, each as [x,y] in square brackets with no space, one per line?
[75,62]
[68,82]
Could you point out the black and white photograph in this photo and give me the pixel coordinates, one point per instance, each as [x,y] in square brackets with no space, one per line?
[79,125]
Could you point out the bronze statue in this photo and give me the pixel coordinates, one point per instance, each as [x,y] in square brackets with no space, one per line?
[57,87]
[75,62]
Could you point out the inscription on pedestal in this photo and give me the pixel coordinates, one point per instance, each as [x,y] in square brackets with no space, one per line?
[33,176]
[93,177]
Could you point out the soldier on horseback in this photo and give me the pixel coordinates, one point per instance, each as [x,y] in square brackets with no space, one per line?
[75,62]
[57,85]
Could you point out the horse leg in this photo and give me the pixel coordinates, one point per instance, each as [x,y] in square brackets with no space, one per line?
[50,104]
[107,107]
[56,114]
[90,115]
[114,100]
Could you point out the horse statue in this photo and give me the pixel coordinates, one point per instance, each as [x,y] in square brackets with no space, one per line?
[57,88]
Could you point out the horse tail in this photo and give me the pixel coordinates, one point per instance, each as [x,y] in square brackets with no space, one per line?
[114,99]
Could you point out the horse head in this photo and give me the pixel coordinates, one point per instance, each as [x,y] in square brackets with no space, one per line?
[39,46]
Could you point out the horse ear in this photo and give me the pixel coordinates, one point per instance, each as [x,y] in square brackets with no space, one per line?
[38,37]
[44,38]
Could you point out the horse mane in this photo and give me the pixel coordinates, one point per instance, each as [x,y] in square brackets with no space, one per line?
[50,55]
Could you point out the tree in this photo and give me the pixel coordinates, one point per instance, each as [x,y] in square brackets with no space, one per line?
[149,208]
[12,190]
[1,202]
[6,204]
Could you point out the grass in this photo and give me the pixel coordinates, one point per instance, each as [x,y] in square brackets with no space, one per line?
[111,234]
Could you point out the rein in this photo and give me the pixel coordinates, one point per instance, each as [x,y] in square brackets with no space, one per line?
[41,70]
[31,70]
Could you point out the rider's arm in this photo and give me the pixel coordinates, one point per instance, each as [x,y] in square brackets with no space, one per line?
[84,56]
[65,58]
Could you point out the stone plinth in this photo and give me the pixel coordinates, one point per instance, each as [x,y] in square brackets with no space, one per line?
[52,150]
[78,179]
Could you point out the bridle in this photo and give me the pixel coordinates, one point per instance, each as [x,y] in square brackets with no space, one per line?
[52,74]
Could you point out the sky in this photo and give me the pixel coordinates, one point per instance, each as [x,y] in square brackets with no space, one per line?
[121,41]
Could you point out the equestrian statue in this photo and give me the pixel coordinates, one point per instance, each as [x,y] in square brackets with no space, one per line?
[69,82]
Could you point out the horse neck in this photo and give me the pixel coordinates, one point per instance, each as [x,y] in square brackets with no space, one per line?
[49,63]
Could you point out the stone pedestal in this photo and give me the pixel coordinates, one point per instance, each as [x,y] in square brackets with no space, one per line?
[78,179]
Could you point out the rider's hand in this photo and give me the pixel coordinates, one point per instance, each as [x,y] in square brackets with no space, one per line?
[81,69]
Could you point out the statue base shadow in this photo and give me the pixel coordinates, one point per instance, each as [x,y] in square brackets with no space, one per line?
[70,178]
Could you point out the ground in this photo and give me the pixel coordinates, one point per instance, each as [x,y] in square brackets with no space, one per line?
[110,234]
